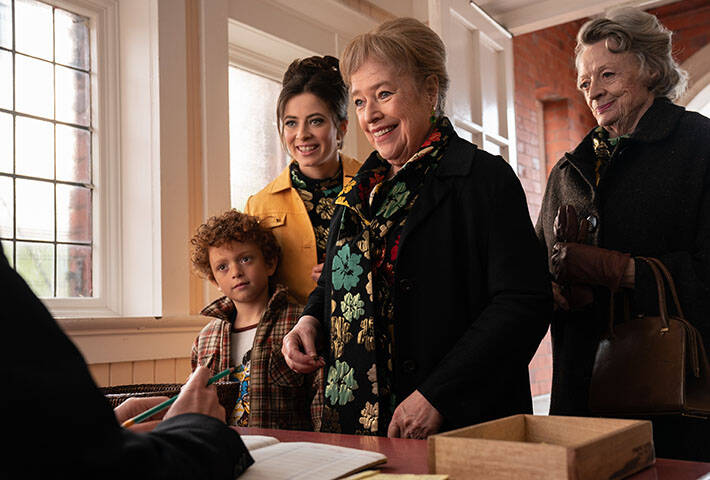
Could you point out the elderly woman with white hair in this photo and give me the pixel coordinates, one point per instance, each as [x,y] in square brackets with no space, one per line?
[638,185]
[434,295]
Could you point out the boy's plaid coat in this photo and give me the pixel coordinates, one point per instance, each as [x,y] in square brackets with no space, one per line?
[279,397]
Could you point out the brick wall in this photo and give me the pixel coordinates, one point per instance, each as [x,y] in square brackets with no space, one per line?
[551,116]
[690,22]
[545,92]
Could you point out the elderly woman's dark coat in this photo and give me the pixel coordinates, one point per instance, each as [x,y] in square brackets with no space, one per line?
[472,296]
[654,201]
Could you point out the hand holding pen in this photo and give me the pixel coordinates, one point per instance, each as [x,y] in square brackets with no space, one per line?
[196,396]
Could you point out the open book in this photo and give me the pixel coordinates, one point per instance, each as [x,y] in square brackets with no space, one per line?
[274,460]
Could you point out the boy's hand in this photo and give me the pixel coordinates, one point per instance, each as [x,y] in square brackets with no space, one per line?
[299,346]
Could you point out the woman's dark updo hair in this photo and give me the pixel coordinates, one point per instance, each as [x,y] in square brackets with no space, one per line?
[319,76]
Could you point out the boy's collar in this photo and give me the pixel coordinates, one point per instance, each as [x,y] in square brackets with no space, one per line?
[224,308]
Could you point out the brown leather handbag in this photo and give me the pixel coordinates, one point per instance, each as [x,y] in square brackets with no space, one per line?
[651,365]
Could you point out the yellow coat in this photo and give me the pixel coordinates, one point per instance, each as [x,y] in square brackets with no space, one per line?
[281,209]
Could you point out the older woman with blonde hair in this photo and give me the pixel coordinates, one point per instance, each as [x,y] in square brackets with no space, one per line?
[638,185]
[434,295]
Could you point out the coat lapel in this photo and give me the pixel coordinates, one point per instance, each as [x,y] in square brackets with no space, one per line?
[456,162]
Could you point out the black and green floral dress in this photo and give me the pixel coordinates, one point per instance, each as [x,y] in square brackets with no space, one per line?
[359,382]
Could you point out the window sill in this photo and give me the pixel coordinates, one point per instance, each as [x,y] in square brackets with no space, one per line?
[130,339]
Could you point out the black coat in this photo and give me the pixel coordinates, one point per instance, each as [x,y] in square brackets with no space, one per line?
[59,425]
[472,298]
[654,200]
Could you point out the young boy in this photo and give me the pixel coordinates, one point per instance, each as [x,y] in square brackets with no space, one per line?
[239,256]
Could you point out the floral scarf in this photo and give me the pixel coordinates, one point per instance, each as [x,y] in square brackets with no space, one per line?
[319,198]
[604,148]
[360,378]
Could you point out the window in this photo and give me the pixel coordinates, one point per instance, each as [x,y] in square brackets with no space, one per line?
[256,155]
[701,102]
[46,190]
[257,62]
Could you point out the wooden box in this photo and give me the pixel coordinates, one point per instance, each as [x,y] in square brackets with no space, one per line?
[550,447]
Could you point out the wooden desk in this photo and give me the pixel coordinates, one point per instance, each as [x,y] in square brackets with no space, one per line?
[410,456]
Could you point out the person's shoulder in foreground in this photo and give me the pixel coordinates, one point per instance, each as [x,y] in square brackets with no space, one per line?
[59,425]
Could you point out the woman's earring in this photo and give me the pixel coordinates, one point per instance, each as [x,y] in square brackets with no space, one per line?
[432,118]
[339,143]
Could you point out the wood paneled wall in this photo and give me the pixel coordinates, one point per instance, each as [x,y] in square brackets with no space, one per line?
[172,370]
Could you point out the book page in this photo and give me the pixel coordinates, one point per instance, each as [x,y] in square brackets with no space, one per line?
[253,442]
[306,460]
[376,475]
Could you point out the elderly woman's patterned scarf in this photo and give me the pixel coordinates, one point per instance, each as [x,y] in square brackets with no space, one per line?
[604,148]
[358,391]
[319,198]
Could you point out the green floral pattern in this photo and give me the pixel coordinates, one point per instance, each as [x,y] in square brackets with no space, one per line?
[340,384]
[396,199]
[346,269]
[352,307]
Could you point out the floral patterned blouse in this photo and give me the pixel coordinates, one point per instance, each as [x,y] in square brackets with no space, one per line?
[319,199]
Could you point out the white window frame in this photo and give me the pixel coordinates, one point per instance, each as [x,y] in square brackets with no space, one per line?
[261,53]
[106,299]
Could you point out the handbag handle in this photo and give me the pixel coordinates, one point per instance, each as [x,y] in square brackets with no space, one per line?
[662,307]
[660,285]
[660,271]
[671,283]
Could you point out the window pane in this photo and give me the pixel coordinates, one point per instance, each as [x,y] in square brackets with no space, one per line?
[7,250]
[35,262]
[71,39]
[73,271]
[35,147]
[73,154]
[73,214]
[46,195]
[6,140]
[491,147]
[252,134]
[5,80]
[73,96]
[35,210]
[34,86]
[33,28]
[6,206]
[6,23]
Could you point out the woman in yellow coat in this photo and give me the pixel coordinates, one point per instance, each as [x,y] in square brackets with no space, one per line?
[298,204]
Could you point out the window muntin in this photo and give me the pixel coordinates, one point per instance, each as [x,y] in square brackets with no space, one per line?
[46,189]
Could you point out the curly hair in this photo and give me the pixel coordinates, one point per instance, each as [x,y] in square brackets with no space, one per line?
[232,225]
[628,29]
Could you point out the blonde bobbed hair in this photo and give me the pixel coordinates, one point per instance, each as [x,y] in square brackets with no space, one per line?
[405,42]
